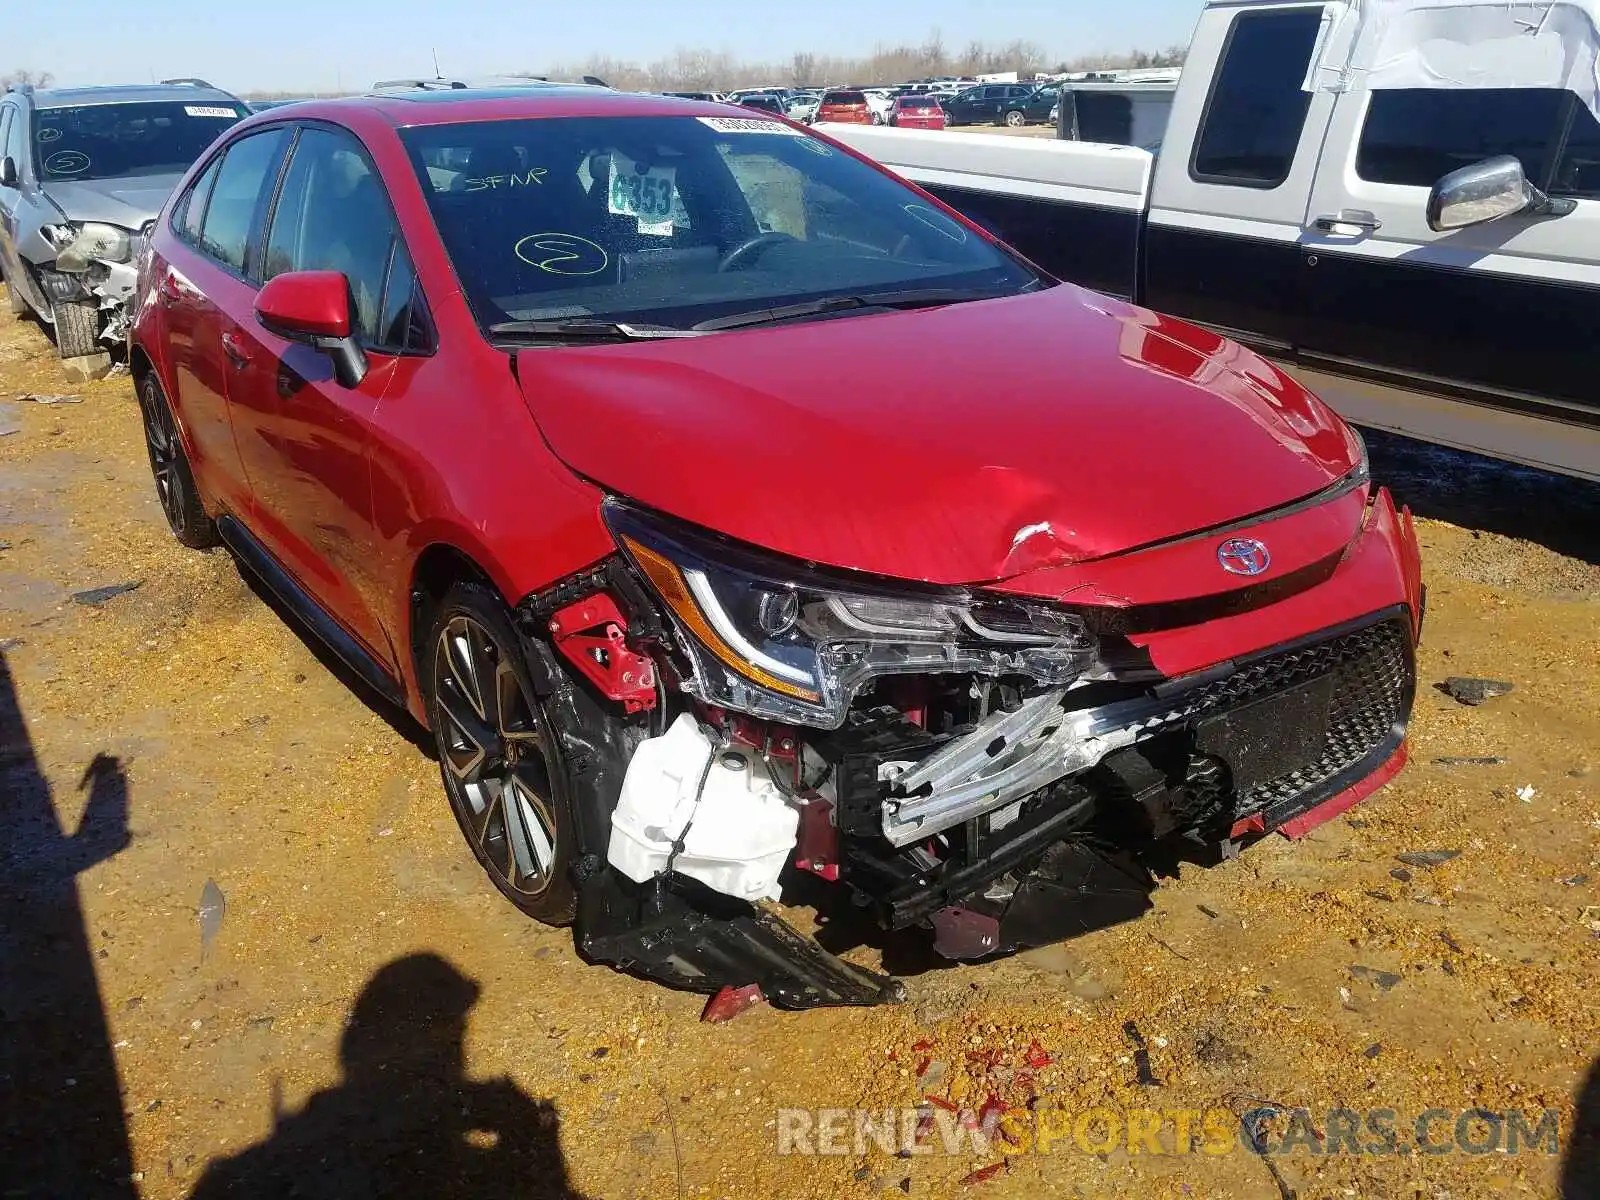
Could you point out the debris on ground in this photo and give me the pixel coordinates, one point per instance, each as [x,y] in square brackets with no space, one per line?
[1526,793]
[95,597]
[48,398]
[9,423]
[1373,1050]
[1590,917]
[1400,874]
[730,1002]
[1141,1055]
[1469,760]
[984,1174]
[213,907]
[1473,691]
[1427,858]
[1382,980]
[1577,880]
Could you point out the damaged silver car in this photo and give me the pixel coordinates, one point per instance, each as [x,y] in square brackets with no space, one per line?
[83,173]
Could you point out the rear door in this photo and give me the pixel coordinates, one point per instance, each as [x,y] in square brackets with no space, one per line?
[303,435]
[204,294]
[1504,313]
[1233,179]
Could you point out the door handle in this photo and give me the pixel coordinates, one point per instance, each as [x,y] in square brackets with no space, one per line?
[237,354]
[167,291]
[1349,218]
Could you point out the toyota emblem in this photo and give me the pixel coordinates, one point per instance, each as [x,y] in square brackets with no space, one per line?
[1243,556]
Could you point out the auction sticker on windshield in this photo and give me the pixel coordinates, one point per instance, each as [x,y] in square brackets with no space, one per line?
[209,110]
[646,193]
[749,125]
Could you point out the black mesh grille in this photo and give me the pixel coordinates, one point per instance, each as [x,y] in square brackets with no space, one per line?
[1371,694]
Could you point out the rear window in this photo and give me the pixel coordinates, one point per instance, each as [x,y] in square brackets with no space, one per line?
[107,141]
[844,98]
[917,102]
[1257,108]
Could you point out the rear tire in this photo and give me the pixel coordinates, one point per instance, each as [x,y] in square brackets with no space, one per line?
[500,760]
[77,328]
[169,466]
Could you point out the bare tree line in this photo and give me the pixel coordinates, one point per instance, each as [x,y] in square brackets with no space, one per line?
[718,70]
[714,70]
[36,78]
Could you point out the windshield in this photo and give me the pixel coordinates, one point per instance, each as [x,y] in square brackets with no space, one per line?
[676,220]
[106,141]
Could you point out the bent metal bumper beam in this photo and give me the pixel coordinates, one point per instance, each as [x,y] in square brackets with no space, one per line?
[1013,754]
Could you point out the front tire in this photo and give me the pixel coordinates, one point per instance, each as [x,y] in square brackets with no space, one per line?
[501,764]
[169,466]
[77,327]
[1015,119]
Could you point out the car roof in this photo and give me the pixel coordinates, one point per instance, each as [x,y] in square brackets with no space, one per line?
[410,108]
[138,93]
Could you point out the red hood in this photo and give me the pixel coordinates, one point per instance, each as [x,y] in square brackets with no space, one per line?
[955,445]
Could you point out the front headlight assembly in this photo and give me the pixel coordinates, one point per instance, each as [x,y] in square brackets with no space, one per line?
[781,640]
[79,245]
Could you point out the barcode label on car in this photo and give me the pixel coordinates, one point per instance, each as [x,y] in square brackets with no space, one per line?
[749,125]
[208,110]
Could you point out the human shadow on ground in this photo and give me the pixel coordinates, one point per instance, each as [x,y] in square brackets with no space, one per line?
[62,1128]
[406,1120]
[1580,1171]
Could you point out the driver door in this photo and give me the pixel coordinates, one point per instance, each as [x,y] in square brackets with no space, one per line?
[1502,312]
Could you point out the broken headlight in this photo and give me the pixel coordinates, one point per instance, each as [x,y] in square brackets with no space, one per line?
[79,245]
[785,641]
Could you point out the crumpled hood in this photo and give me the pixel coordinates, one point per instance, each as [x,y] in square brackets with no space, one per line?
[130,202]
[957,445]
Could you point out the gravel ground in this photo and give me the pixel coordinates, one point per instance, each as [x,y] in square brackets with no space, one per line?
[241,938]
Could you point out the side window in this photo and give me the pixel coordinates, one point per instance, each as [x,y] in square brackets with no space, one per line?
[332,215]
[248,170]
[191,209]
[1257,107]
[15,141]
[1413,136]
[7,115]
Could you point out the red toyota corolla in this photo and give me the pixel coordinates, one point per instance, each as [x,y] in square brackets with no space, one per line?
[730,510]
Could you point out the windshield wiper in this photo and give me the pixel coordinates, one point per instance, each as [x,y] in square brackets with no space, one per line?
[902,299]
[586,329]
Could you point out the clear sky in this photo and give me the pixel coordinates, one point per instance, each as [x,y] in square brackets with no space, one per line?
[250,45]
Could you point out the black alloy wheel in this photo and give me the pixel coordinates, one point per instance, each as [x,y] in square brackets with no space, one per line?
[169,465]
[502,769]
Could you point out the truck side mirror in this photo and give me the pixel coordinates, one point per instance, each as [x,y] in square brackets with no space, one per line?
[1486,191]
[8,172]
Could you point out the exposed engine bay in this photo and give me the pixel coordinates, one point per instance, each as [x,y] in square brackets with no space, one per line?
[997,772]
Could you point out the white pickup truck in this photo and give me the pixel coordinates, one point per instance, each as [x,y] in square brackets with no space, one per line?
[1399,199]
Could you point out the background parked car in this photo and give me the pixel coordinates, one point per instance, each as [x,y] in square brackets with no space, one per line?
[766,102]
[1033,109]
[845,106]
[917,112]
[880,101]
[987,103]
[83,173]
[802,106]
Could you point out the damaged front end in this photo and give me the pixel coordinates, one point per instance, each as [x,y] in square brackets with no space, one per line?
[1000,770]
[95,262]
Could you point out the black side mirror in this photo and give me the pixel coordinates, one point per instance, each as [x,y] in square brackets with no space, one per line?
[8,172]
